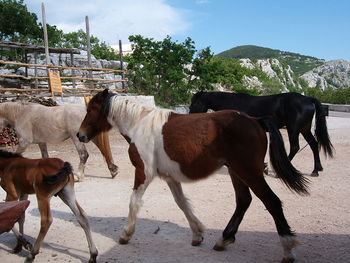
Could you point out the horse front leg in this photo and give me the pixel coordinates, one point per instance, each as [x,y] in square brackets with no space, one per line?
[11,195]
[83,156]
[180,199]
[67,195]
[102,143]
[134,206]
[142,180]
[21,241]
[43,150]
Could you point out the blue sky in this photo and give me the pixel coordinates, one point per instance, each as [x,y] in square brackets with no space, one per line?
[309,27]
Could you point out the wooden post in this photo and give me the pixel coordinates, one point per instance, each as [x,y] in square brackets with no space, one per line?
[36,69]
[88,46]
[121,62]
[25,61]
[46,40]
[73,71]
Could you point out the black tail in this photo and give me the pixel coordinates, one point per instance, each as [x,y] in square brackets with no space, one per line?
[64,173]
[321,130]
[280,162]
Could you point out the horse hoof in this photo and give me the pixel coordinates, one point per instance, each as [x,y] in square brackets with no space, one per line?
[29,259]
[17,249]
[28,246]
[288,260]
[114,171]
[114,174]
[93,259]
[218,247]
[123,241]
[314,174]
[196,243]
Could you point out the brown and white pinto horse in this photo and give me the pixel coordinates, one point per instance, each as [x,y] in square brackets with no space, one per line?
[185,148]
[45,178]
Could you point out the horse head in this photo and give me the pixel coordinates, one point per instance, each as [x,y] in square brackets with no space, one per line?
[95,120]
[197,103]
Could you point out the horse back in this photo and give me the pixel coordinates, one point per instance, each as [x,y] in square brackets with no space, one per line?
[26,175]
[202,143]
[280,107]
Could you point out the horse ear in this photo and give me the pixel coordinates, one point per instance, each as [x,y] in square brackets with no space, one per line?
[105,93]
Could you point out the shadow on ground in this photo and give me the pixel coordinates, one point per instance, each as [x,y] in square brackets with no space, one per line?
[166,242]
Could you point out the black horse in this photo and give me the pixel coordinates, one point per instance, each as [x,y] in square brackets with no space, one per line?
[292,110]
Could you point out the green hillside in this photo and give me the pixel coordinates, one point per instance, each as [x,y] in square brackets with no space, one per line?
[299,63]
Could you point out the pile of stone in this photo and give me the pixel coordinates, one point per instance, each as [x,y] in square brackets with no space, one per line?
[8,137]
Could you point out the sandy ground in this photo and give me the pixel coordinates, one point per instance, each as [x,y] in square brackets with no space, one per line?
[321,220]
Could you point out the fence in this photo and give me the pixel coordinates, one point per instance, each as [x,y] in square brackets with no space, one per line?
[49,84]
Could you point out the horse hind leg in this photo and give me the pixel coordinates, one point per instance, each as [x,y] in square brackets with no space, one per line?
[67,195]
[102,143]
[45,223]
[315,150]
[294,146]
[243,200]
[274,206]
[181,201]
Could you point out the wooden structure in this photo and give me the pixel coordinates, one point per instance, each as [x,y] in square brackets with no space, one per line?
[89,80]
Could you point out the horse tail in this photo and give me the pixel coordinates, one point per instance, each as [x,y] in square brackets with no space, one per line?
[293,179]
[321,130]
[63,173]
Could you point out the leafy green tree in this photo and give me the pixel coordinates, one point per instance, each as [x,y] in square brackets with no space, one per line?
[54,35]
[168,70]
[17,23]
[99,49]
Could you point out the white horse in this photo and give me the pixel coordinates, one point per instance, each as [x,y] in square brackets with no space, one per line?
[38,124]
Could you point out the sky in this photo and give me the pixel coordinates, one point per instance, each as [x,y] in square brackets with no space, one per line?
[318,28]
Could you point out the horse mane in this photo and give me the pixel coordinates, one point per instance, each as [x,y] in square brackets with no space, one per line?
[6,154]
[13,108]
[132,112]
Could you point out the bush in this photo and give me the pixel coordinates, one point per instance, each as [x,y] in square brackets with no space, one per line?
[333,96]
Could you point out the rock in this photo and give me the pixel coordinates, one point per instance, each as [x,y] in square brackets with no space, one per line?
[333,74]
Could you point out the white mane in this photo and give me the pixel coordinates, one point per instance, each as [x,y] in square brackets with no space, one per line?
[126,114]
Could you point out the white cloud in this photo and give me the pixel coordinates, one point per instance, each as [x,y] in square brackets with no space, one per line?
[111,20]
[201,2]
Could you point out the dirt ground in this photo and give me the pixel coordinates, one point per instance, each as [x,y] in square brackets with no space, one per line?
[321,220]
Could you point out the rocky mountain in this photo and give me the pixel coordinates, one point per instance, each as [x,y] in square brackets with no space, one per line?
[332,74]
[291,70]
[273,68]
[298,63]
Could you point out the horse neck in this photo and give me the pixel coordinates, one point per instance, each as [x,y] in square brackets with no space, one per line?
[127,115]
[10,111]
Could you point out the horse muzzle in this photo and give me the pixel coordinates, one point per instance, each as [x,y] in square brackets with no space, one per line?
[82,137]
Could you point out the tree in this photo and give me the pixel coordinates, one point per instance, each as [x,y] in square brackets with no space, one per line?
[17,23]
[99,49]
[166,69]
